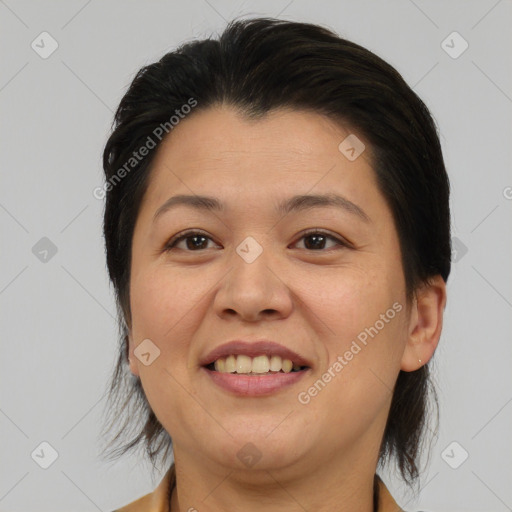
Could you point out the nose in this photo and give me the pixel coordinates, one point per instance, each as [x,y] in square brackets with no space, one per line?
[254,289]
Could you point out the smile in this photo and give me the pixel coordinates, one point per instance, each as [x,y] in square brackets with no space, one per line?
[263,364]
[242,375]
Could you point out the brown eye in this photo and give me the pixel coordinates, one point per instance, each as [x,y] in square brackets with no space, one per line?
[316,240]
[193,241]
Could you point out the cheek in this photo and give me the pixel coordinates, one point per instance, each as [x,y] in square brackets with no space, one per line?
[349,299]
[160,298]
[166,306]
[354,386]
[359,317]
[164,309]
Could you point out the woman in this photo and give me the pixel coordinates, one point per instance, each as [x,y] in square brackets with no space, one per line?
[277,232]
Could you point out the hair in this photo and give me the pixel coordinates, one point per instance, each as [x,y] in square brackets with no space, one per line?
[256,66]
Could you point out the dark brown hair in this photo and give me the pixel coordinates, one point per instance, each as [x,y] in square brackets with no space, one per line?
[257,65]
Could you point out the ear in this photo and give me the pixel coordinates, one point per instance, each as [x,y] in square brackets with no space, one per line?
[425,324]
[134,367]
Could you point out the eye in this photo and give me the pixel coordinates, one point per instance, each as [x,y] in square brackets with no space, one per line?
[316,239]
[195,241]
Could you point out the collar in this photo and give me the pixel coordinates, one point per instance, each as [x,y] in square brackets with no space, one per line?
[158,500]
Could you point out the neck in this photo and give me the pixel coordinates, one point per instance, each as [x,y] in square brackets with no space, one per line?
[323,487]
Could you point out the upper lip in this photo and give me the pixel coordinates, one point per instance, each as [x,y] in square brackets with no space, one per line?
[253,349]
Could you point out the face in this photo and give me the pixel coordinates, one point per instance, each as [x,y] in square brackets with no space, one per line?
[324,281]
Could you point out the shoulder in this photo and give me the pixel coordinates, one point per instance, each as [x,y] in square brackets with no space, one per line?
[386,501]
[156,501]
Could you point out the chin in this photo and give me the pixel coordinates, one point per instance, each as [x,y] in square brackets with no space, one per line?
[259,451]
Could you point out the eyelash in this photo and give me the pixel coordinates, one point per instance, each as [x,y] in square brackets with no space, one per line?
[189,234]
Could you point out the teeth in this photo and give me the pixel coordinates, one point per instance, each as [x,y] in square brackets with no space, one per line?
[243,364]
[220,365]
[260,364]
[287,366]
[230,365]
[255,365]
[275,363]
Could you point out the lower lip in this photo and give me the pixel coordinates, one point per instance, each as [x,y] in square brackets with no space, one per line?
[255,385]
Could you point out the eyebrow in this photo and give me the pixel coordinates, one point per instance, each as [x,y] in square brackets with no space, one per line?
[293,204]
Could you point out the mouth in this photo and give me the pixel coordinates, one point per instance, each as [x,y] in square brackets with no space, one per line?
[254,366]
[254,369]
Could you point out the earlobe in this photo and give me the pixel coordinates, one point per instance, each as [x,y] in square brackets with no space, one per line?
[132,360]
[426,322]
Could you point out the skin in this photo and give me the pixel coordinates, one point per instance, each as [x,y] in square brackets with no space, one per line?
[317,456]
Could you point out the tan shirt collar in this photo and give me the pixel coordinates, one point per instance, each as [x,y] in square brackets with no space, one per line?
[158,500]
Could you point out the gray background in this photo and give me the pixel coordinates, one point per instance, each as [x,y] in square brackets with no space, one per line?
[58,325]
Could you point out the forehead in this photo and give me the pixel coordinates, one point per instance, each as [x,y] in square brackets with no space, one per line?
[219,150]
[286,134]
